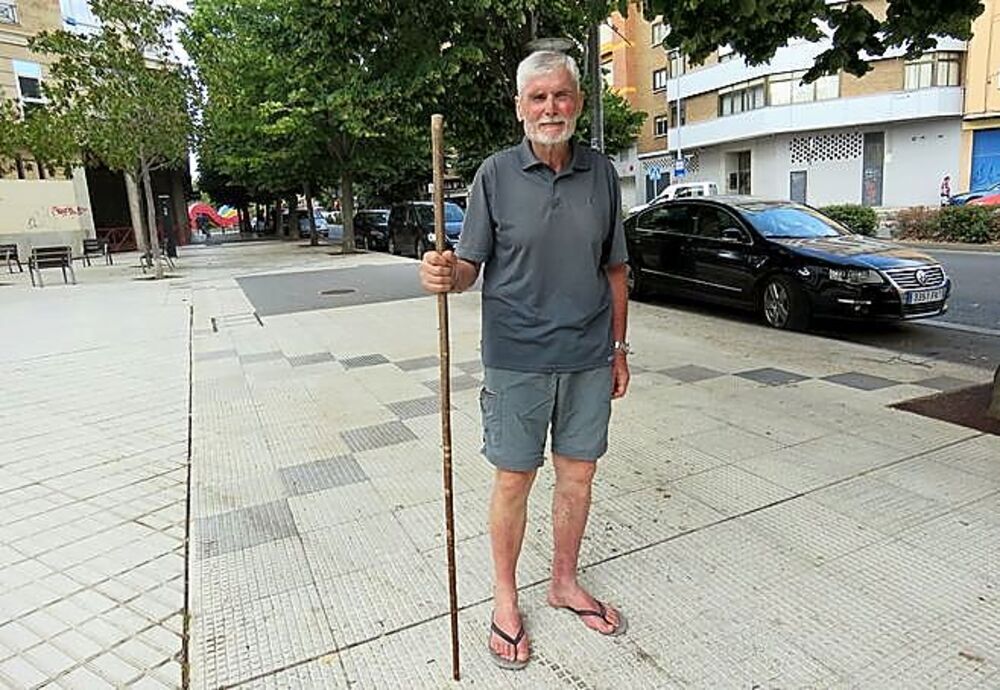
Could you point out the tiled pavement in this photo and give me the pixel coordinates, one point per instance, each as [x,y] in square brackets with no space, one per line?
[762,515]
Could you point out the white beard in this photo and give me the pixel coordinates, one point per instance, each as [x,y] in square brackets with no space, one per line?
[536,135]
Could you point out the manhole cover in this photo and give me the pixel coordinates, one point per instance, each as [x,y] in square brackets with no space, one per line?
[337,291]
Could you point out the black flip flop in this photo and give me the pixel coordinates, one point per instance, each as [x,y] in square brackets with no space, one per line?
[498,659]
[602,613]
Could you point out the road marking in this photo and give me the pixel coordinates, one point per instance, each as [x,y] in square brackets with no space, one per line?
[968,252]
[964,328]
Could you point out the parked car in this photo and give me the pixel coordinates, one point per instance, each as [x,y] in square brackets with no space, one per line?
[680,190]
[411,227]
[786,261]
[371,229]
[968,197]
[321,224]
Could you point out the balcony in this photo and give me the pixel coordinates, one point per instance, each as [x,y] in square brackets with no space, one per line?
[840,112]
[8,13]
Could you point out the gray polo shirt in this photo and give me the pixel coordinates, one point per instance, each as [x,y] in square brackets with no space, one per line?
[544,240]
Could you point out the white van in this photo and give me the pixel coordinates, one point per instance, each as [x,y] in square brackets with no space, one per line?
[680,190]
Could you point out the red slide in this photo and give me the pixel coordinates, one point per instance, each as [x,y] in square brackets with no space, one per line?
[226,220]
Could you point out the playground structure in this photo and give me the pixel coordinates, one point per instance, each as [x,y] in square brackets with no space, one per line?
[225,217]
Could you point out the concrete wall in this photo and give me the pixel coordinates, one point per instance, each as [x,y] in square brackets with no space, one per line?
[45,212]
[918,156]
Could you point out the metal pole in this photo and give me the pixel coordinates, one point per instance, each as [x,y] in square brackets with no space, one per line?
[596,88]
[444,349]
[679,154]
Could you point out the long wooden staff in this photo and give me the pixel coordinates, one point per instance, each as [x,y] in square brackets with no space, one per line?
[437,145]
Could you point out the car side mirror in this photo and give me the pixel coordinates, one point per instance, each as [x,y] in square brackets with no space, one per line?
[732,235]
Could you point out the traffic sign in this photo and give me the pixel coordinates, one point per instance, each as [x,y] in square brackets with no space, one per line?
[654,173]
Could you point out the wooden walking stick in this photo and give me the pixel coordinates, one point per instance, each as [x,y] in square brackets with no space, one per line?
[444,350]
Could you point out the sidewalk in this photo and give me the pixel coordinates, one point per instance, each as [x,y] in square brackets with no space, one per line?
[762,516]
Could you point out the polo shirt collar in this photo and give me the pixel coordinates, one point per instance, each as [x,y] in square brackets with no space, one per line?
[527,158]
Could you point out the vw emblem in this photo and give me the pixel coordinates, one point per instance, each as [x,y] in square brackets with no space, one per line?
[921,276]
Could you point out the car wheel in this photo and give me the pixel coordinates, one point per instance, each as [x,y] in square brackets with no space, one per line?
[635,282]
[391,245]
[784,304]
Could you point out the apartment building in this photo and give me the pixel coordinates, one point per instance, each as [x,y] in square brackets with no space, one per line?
[37,206]
[884,140]
[980,149]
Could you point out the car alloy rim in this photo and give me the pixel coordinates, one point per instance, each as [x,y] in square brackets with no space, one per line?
[776,306]
[630,279]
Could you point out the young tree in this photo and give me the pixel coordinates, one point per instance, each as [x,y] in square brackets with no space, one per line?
[123,98]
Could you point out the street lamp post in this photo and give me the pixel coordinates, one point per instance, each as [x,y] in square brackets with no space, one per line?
[678,153]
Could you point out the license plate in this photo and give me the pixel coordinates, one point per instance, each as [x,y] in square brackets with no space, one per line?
[924,296]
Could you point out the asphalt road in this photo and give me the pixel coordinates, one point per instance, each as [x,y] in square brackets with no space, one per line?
[969,333]
[975,299]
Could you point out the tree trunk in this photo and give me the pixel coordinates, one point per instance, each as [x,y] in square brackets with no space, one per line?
[347,212]
[293,217]
[247,225]
[279,224]
[313,237]
[135,212]
[154,237]
[994,409]
[260,217]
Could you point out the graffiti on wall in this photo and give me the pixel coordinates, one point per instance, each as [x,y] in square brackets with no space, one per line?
[68,211]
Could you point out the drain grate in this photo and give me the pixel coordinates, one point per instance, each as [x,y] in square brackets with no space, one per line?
[337,291]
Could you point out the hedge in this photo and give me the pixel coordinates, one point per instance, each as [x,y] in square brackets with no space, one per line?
[972,224]
[860,220]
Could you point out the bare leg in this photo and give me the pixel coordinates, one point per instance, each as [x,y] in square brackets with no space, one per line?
[570,508]
[508,517]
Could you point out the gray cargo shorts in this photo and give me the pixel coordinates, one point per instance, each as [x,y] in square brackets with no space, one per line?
[519,406]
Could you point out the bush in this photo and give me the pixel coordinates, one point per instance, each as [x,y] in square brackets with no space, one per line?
[918,223]
[861,220]
[966,224]
[972,224]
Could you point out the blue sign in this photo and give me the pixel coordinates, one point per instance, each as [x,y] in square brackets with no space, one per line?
[654,173]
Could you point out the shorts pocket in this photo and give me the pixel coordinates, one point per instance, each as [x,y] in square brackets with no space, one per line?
[489,405]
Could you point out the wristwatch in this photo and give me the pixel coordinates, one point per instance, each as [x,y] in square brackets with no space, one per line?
[622,346]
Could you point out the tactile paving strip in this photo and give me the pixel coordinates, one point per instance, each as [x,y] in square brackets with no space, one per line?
[377,436]
[322,474]
[239,529]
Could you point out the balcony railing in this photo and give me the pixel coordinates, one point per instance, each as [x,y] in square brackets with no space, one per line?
[8,12]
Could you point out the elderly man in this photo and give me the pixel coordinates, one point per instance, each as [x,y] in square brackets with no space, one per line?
[544,222]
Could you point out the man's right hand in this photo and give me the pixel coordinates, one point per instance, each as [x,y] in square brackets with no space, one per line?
[437,271]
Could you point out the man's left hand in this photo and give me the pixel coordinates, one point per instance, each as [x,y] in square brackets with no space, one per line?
[619,376]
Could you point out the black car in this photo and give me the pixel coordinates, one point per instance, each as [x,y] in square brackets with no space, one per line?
[371,229]
[787,261]
[411,227]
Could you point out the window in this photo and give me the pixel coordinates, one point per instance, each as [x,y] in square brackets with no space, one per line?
[77,13]
[948,69]
[659,79]
[741,98]
[797,184]
[710,223]
[8,12]
[933,69]
[919,73]
[673,113]
[660,126]
[29,85]
[659,32]
[675,64]
[787,87]
[674,219]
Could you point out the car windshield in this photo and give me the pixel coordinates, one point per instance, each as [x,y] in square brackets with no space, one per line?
[791,222]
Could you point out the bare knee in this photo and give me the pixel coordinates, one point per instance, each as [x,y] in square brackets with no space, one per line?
[571,472]
[513,485]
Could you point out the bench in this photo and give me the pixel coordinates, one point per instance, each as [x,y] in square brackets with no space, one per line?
[50,257]
[9,254]
[96,247]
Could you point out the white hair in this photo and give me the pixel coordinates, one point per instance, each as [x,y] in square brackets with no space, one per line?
[544,62]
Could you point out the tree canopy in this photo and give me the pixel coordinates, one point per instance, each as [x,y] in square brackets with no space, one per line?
[757,28]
